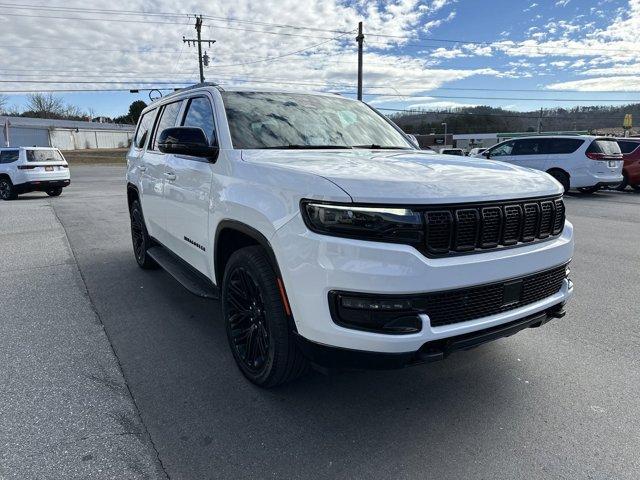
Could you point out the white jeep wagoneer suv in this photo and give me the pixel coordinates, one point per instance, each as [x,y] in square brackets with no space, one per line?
[331,240]
[32,169]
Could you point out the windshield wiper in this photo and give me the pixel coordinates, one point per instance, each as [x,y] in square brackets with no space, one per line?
[374,146]
[309,147]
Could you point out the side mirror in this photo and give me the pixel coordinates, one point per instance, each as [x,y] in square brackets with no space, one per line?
[186,141]
[486,154]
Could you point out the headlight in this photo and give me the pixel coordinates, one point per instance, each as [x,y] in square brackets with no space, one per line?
[397,225]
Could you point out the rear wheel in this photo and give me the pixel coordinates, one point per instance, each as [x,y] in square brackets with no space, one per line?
[140,238]
[561,177]
[589,190]
[54,192]
[7,192]
[257,324]
[622,185]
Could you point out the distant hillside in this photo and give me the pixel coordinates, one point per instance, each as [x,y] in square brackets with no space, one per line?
[489,119]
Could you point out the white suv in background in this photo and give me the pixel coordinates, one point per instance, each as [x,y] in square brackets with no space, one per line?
[583,162]
[32,169]
[331,240]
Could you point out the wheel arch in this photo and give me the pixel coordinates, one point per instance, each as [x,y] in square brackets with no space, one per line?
[132,194]
[232,235]
[559,170]
[7,176]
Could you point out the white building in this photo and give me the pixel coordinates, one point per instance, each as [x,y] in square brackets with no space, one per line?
[63,134]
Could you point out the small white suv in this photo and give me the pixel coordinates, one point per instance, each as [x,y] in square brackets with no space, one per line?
[32,169]
[583,162]
[332,240]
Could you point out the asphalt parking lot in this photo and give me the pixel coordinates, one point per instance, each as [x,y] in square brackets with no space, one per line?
[556,402]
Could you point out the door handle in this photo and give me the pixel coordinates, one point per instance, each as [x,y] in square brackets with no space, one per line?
[170,176]
[142,168]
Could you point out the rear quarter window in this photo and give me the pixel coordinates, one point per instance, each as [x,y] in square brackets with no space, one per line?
[563,145]
[144,127]
[9,156]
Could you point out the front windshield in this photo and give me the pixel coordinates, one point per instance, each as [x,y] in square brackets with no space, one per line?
[283,120]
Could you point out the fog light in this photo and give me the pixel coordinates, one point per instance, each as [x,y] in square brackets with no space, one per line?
[370,304]
[387,315]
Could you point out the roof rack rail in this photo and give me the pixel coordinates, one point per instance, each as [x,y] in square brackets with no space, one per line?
[200,85]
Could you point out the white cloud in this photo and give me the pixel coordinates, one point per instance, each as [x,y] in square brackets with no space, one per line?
[622,83]
[562,3]
[154,52]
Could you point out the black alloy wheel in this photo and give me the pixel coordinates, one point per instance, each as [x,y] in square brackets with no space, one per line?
[258,320]
[140,238]
[6,189]
[54,192]
[247,322]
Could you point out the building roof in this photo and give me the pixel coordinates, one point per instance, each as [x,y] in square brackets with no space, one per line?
[71,124]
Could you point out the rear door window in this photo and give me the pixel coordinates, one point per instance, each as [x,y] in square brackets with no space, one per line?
[563,145]
[200,114]
[529,146]
[627,146]
[168,119]
[144,127]
[9,156]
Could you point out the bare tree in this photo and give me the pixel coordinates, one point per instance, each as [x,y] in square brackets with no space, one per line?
[4,100]
[45,105]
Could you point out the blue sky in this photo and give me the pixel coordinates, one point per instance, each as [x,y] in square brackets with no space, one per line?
[439,53]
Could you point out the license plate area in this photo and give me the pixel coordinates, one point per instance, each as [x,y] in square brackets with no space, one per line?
[48,169]
[613,164]
[511,293]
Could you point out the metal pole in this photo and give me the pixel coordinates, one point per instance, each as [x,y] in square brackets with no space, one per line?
[540,121]
[198,30]
[445,133]
[360,39]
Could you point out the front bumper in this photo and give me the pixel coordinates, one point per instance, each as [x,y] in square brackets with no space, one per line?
[334,358]
[41,185]
[313,265]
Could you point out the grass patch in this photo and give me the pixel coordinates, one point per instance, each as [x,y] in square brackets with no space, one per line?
[96,157]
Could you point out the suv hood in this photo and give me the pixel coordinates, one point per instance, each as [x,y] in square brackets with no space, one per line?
[412,177]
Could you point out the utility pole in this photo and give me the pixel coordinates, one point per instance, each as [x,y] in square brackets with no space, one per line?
[360,40]
[202,61]
[540,121]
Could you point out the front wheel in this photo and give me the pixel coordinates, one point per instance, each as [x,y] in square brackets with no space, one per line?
[140,238]
[7,191]
[54,192]
[589,190]
[256,320]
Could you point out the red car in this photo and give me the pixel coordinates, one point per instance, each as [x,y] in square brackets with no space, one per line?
[630,148]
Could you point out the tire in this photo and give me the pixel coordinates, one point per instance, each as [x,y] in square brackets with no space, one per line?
[622,185]
[140,238]
[257,325]
[636,187]
[54,192]
[7,192]
[561,177]
[588,190]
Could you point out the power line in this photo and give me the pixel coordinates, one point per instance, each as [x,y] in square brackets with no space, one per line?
[121,75]
[164,14]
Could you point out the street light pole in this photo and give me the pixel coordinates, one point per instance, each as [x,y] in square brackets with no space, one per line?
[445,133]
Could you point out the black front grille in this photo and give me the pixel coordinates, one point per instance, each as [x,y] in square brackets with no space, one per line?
[455,306]
[467,228]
